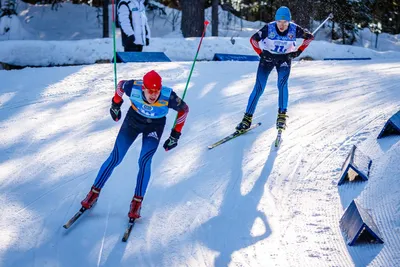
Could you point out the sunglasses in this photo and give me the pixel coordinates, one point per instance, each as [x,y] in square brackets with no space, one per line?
[151,91]
[284,22]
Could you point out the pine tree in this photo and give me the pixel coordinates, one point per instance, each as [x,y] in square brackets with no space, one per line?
[387,12]
[8,8]
[215,4]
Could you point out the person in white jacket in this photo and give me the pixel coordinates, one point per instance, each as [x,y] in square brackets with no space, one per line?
[135,30]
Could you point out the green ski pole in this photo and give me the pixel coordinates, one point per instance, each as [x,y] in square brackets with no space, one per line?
[206,22]
[114,47]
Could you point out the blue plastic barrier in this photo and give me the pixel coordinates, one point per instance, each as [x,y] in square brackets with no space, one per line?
[392,126]
[350,58]
[235,57]
[357,164]
[123,57]
[357,225]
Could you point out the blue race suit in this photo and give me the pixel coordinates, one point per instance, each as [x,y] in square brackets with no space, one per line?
[141,118]
[276,45]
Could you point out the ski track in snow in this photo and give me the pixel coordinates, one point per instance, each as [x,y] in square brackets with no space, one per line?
[243,203]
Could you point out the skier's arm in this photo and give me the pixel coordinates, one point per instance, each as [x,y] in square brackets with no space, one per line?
[123,17]
[124,86]
[306,35]
[116,102]
[257,37]
[176,103]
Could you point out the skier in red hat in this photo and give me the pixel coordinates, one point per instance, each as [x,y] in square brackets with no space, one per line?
[150,102]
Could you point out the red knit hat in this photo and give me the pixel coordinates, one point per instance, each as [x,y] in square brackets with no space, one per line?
[152,81]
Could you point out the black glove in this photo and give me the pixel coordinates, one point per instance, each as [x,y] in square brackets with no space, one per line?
[147,41]
[131,38]
[266,56]
[115,110]
[294,54]
[172,141]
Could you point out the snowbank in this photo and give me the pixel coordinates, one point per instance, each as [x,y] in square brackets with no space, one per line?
[385,41]
[11,28]
[52,53]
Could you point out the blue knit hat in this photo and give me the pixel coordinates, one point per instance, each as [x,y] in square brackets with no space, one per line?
[283,13]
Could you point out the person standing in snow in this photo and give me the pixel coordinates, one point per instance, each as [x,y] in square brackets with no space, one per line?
[135,30]
[275,43]
[150,102]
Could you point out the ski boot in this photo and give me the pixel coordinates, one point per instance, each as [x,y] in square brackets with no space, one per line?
[281,120]
[136,204]
[245,123]
[91,198]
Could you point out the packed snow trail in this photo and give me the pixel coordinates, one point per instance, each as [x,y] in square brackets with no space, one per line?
[242,203]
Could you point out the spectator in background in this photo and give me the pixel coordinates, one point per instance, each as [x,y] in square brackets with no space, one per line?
[134,27]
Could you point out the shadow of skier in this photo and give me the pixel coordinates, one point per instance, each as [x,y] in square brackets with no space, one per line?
[230,230]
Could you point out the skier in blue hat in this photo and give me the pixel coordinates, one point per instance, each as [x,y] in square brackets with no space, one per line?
[275,43]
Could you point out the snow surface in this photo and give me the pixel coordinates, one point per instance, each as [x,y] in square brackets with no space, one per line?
[241,204]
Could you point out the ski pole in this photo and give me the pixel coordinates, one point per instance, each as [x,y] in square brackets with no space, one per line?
[114,46]
[319,27]
[206,22]
[330,16]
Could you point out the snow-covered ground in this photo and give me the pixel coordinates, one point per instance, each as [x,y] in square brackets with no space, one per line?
[241,204]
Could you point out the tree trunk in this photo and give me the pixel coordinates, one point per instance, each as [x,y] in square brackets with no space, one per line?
[397,30]
[116,2]
[105,19]
[343,33]
[215,17]
[97,3]
[192,22]
[9,8]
